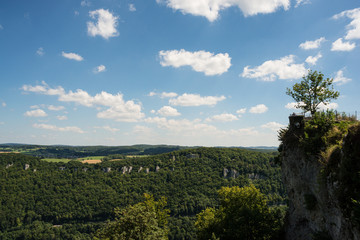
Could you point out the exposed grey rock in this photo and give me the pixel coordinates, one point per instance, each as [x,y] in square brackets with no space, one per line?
[147,170]
[301,177]
[9,165]
[26,167]
[233,173]
[107,170]
[157,168]
[62,168]
[225,172]
[140,169]
[124,169]
[130,169]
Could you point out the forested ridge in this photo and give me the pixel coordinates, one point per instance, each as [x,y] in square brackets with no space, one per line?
[72,200]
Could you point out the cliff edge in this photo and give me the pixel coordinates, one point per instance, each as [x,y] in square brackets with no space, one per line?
[320,161]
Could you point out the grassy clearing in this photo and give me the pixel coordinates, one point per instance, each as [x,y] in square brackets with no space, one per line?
[91,158]
[64,160]
[92,161]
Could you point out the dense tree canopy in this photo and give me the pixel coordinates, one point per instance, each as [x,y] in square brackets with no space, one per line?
[313,90]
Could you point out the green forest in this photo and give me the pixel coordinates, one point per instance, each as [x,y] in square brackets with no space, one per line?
[73,200]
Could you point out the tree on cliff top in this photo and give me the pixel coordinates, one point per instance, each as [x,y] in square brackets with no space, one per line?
[313,90]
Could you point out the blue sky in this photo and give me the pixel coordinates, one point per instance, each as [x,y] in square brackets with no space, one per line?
[185,72]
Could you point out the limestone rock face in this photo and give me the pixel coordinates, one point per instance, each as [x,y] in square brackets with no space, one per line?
[313,205]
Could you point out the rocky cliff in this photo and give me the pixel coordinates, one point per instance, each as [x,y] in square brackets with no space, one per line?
[316,187]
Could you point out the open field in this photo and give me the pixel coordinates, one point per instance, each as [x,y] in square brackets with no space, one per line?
[64,160]
[91,161]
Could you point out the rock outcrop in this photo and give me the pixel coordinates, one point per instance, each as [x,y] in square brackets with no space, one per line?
[314,207]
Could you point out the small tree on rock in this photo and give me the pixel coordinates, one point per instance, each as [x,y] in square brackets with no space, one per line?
[313,90]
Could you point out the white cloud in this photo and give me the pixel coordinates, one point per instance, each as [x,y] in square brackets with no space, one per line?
[274,126]
[283,68]
[40,51]
[168,111]
[210,8]
[260,108]
[108,128]
[132,7]
[3,104]
[138,129]
[195,100]
[312,44]
[312,60]
[302,2]
[241,111]
[292,105]
[76,13]
[328,106]
[99,69]
[153,111]
[1,27]
[164,94]
[119,110]
[200,61]
[35,113]
[59,129]
[105,25]
[354,26]
[61,118]
[321,107]
[225,117]
[56,108]
[340,79]
[72,56]
[339,45]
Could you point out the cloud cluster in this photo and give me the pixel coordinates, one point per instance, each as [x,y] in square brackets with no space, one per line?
[35,113]
[108,128]
[340,45]
[273,126]
[200,61]
[312,44]
[210,8]
[105,25]
[353,31]
[340,79]
[59,129]
[168,111]
[132,7]
[312,60]
[321,107]
[72,56]
[283,68]
[164,94]
[260,108]
[225,117]
[40,51]
[118,109]
[188,100]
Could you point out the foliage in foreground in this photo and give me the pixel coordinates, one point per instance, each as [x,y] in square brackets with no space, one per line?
[243,214]
[146,220]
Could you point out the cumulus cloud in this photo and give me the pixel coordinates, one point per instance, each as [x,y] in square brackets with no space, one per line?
[118,109]
[210,9]
[168,111]
[61,117]
[353,31]
[105,26]
[99,69]
[35,113]
[225,117]
[132,7]
[72,56]
[312,60]
[108,128]
[340,45]
[260,108]
[274,126]
[283,68]
[56,108]
[241,111]
[293,105]
[40,51]
[59,129]
[195,100]
[200,61]
[340,79]
[312,44]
